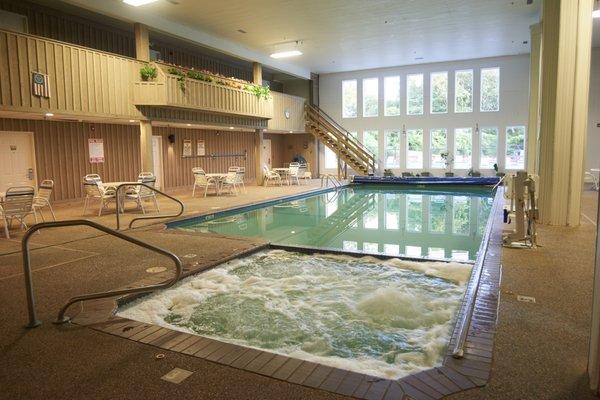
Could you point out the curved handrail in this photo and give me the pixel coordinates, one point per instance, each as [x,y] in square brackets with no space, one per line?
[118,189]
[33,321]
[471,294]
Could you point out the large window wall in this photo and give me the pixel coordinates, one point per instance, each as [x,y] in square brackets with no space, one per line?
[460,116]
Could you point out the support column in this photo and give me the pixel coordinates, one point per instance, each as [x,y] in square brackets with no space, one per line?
[142,42]
[147,156]
[257,73]
[259,155]
[566,44]
[533,130]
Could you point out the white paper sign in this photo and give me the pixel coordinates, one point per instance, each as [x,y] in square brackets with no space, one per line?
[187,148]
[200,148]
[96,148]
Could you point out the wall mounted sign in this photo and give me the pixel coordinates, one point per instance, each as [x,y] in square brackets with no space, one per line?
[187,148]
[41,84]
[200,148]
[96,148]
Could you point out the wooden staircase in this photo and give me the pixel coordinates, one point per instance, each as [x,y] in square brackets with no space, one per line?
[349,150]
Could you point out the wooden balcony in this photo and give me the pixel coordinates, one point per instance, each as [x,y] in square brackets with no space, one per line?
[167,91]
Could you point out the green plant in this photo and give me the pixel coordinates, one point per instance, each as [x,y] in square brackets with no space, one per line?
[259,91]
[148,72]
[180,77]
[496,167]
[448,159]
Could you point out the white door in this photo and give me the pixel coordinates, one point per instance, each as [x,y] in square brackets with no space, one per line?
[17,160]
[266,154]
[158,160]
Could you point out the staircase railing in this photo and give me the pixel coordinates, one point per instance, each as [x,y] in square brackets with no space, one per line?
[343,137]
[33,320]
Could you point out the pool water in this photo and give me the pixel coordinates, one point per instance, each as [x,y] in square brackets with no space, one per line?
[444,223]
[387,318]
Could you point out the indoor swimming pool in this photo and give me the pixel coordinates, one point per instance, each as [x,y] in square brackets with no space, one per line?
[436,223]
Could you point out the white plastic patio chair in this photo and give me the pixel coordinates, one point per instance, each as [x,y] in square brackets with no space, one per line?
[300,172]
[202,181]
[18,204]
[139,194]
[293,174]
[43,197]
[241,174]
[231,182]
[269,175]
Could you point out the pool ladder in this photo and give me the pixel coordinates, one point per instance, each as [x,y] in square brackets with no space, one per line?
[326,178]
[34,321]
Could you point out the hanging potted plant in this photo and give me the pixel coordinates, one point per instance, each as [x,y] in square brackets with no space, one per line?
[448,160]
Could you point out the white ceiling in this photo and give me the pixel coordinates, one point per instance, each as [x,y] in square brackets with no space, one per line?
[342,35]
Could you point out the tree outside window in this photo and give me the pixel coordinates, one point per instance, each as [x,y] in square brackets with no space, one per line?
[488,143]
[463,91]
[391,94]
[349,96]
[370,97]
[439,145]
[490,89]
[414,94]
[515,147]
[414,148]
[439,92]
[371,142]
[392,149]
[463,147]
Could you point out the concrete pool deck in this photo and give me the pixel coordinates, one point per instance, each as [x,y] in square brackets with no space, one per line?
[74,362]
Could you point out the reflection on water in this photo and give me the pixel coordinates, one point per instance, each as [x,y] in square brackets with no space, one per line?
[437,224]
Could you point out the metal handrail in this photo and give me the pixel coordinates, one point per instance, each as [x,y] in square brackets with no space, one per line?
[334,181]
[471,294]
[117,190]
[33,321]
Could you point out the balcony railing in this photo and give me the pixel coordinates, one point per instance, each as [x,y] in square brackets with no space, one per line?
[168,91]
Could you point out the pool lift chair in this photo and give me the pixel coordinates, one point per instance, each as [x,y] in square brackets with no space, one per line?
[521,190]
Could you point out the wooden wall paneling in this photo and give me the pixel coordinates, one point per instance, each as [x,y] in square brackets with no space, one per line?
[295,105]
[62,152]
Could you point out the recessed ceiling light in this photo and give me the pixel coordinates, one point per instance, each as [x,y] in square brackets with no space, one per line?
[284,54]
[132,120]
[291,131]
[49,114]
[137,3]
[231,127]
[189,124]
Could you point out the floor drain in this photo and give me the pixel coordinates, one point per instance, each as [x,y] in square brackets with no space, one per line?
[176,375]
[526,299]
[156,270]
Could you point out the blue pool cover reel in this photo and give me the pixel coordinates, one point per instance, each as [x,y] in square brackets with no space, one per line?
[429,180]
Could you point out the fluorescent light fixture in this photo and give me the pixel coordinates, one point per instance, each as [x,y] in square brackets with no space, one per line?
[137,3]
[284,54]
[596,13]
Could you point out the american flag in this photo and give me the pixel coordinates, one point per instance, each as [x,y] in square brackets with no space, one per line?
[41,85]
